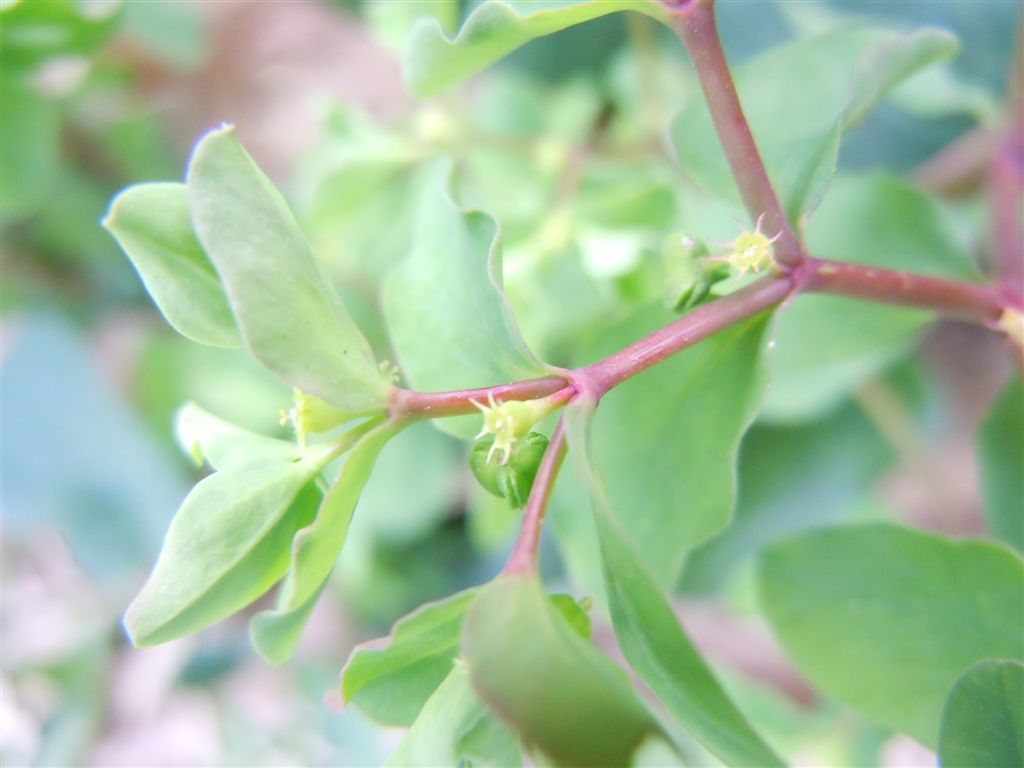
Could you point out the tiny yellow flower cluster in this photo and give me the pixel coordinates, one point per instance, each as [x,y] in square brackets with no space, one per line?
[1011,322]
[510,421]
[388,372]
[311,414]
[749,250]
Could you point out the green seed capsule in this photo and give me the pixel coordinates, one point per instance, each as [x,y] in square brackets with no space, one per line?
[689,274]
[511,480]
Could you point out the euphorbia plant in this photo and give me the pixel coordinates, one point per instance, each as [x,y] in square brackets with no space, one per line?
[504,666]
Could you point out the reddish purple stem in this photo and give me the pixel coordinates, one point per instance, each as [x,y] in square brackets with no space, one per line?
[431,405]
[967,301]
[524,554]
[599,377]
[694,22]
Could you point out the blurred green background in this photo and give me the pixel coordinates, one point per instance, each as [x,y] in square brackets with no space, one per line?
[97,95]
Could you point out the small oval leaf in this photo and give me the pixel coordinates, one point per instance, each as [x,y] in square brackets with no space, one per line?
[289,313]
[151,223]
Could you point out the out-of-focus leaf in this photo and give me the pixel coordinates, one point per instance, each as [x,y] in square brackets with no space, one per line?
[559,692]
[416,483]
[64,231]
[495,29]
[289,314]
[315,549]
[890,61]
[394,682]
[227,545]
[392,22]
[649,633]
[621,196]
[174,33]
[1001,456]
[841,76]
[449,320]
[75,453]
[983,721]
[29,152]
[825,345]
[939,92]
[885,618]
[361,187]
[33,31]
[151,223]
[677,427]
[454,726]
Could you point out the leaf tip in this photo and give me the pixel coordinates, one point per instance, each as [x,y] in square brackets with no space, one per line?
[134,627]
[262,639]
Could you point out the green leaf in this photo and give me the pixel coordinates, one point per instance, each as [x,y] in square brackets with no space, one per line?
[227,545]
[495,29]
[792,477]
[315,550]
[29,153]
[826,345]
[1001,457]
[559,692]
[392,683]
[885,618]
[649,634]
[151,223]
[454,726]
[449,320]
[677,428]
[287,310]
[841,76]
[983,721]
[223,445]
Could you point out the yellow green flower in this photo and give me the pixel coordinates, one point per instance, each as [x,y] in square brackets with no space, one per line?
[510,421]
[748,250]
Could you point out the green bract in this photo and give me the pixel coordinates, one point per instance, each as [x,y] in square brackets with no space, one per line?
[450,288]
[713,388]
[650,635]
[563,696]
[393,682]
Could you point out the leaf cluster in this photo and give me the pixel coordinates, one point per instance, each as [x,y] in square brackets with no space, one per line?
[910,629]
